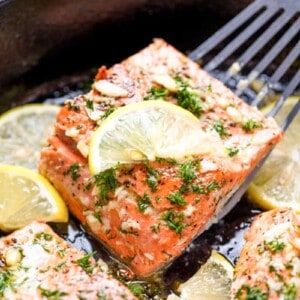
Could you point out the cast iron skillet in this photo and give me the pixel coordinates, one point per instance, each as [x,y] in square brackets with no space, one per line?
[51,50]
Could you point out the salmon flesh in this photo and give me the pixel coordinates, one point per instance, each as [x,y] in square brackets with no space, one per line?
[35,263]
[269,264]
[148,213]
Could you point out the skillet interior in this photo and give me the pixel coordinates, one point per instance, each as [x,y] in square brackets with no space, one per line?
[68,63]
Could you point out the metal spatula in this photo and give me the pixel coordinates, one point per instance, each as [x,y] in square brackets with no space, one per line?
[269,30]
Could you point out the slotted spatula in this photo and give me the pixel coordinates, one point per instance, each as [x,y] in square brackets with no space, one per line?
[269,30]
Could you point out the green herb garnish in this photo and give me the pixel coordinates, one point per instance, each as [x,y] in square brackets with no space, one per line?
[107,113]
[177,198]
[251,293]
[85,263]
[157,93]
[136,288]
[219,128]
[143,202]
[250,125]
[274,245]
[52,294]
[73,107]
[187,98]
[289,291]
[74,171]
[90,104]
[174,221]
[5,281]
[187,171]
[232,151]
[106,182]
[152,178]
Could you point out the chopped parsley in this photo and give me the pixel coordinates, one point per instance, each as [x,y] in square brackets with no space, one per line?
[90,104]
[152,178]
[42,236]
[205,189]
[174,221]
[85,263]
[232,151]
[74,171]
[187,171]
[157,93]
[274,245]
[62,252]
[107,113]
[289,291]
[250,125]
[251,293]
[209,88]
[177,198]
[171,161]
[60,266]
[212,186]
[143,202]
[106,182]
[219,128]
[5,281]
[52,294]
[187,98]
[184,189]
[97,216]
[73,107]
[102,296]
[136,288]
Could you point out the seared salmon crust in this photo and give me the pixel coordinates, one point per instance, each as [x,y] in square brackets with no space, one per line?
[37,264]
[155,209]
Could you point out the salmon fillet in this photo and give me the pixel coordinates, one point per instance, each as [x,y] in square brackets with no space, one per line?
[35,263]
[153,210]
[269,264]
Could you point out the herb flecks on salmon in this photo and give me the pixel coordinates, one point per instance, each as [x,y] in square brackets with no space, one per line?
[268,267]
[150,212]
[37,264]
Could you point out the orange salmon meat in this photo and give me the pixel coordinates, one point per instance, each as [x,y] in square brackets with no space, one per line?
[149,212]
[269,264]
[38,264]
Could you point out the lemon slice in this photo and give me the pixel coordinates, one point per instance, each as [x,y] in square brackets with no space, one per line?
[27,196]
[24,131]
[211,282]
[146,130]
[277,183]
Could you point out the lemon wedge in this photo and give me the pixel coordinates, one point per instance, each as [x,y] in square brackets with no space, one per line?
[27,196]
[211,282]
[277,183]
[146,130]
[24,131]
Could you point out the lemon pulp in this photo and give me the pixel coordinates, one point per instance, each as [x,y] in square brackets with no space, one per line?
[146,130]
[277,183]
[27,196]
[23,133]
[211,282]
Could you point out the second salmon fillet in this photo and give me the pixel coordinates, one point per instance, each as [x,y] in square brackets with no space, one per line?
[155,209]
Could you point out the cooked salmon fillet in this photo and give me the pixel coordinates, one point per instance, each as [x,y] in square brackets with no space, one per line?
[269,264]
[35,263]
[153,210]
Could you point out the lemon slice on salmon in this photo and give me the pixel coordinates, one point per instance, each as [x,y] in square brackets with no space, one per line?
[146,130]
[27,196]
[277,183]
[211,282]
[23,133]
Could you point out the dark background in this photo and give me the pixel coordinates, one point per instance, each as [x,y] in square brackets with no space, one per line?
[46,45]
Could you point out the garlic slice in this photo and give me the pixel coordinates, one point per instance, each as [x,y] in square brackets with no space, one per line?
[107,88]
